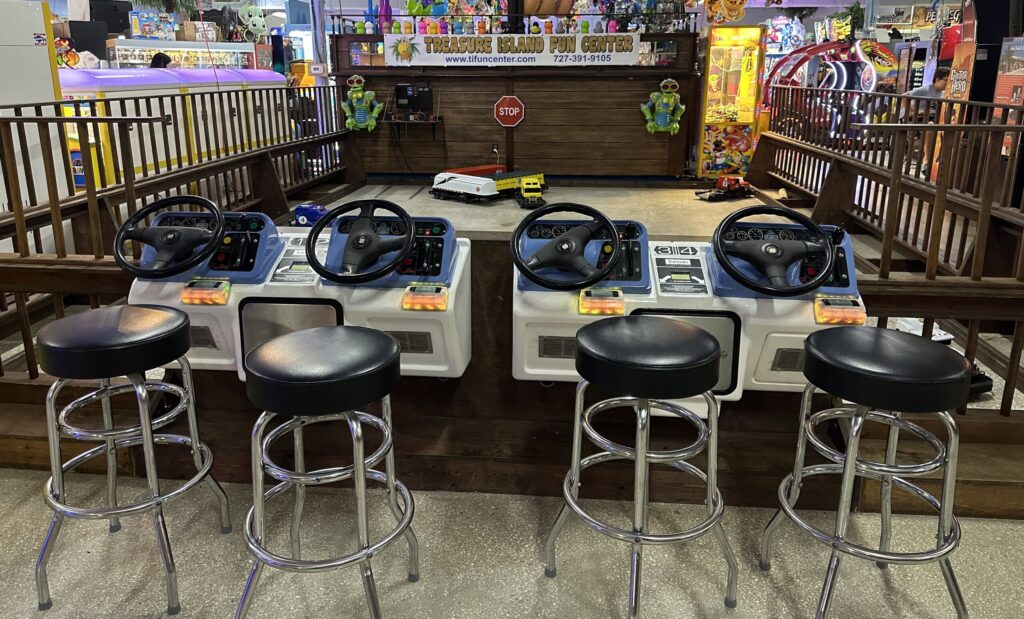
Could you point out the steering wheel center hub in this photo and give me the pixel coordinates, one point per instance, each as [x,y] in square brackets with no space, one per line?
[772,250]
[565,247]
[361,241]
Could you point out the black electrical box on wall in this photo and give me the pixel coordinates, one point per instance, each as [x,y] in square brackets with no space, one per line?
[414,97]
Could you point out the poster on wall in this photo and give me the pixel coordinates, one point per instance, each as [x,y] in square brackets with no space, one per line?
[961,71]
[540,50]
[1010,84]
[726,150]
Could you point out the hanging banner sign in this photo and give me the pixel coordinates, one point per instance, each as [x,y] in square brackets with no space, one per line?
[495,50]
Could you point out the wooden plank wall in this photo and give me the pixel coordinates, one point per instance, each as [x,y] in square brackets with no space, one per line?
[590,126]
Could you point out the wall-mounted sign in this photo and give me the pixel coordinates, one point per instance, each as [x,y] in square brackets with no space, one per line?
[512,50]
[509,111]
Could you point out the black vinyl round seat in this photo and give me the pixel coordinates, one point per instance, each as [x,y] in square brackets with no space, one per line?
[886,369]
[113,341]
[321,371]
[647,357]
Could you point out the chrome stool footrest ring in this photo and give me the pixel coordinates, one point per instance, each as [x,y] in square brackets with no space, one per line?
[864,467]
[633,536]
[298,565]
[328,475]
[136,508]
[664,457]
[906,558]
[102,393]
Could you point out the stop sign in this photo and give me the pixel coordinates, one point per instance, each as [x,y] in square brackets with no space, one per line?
[509,111]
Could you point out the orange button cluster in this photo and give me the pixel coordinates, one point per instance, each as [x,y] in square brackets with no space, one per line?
[415,299]
[839,311]
[201,295]
[602,305]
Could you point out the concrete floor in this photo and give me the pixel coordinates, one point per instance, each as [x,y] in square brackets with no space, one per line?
[481,556]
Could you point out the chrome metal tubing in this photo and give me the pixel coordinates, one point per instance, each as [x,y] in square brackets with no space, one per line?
[903,470]
[902,558]
[550,570]
[948,526]
[103,395]
[300,493]
[112,439]
[197,456]
[642,457]
[360,471]
[885,493]
[389,469]
[149,456]
[362,520]
[111,449]
[843,513]
[793,494]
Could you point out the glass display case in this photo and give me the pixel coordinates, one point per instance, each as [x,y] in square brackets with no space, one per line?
[734,68]
[134,53]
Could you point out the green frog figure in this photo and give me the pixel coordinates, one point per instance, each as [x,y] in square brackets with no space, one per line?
[360,106]
[663,111]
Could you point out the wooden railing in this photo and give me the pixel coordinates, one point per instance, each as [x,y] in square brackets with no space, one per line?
[244,150]
[940,197]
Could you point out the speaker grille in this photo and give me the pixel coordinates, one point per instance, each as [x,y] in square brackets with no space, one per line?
[202,337]
[414,342]
[552,347]
[788,360]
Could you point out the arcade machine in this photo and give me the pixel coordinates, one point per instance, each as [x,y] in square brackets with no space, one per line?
[242,280]
[759,288]
[735,61]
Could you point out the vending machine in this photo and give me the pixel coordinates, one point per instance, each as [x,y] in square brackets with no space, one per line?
[732,93]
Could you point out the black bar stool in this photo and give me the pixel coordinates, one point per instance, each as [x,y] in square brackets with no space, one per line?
[311,375]
[123,340]
[643,361]
[884,373]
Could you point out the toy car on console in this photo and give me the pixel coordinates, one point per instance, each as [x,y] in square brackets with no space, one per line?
[759,287]
[242,280]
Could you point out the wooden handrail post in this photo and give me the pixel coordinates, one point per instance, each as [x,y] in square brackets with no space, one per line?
[939,206]
[84,146]
[988,193]
[53,196]
[892,203]
[13,183]
[128,175]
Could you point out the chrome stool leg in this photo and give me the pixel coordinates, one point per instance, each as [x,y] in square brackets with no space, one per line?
[843,513]
[108,424]
[732,567]
[362,520]
[57,489]
[640,511]
[193,428]
[257,509]
[946,519]
[886,491]
[300,493]
[148,450]
[798,468]
[389,469]
[577,447]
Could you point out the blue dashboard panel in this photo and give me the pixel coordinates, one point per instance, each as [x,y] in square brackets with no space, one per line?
[843,280]
[632,275]
[432,260]
[249,251]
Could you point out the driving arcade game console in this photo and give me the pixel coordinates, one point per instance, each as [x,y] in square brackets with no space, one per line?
[242,280]
[759,288]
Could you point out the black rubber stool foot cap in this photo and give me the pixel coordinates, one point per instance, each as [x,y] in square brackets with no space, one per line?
[114,528]
[174,610]
[730,603]
[226,530]
[46,606]
[550,572]
[414,577]
[882,566]
[764,565]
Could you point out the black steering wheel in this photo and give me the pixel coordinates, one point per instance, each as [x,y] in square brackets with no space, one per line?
[175,245]
[566,251]
[774,257]
[364,246]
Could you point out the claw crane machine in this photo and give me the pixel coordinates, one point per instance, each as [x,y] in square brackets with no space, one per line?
[732,92]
